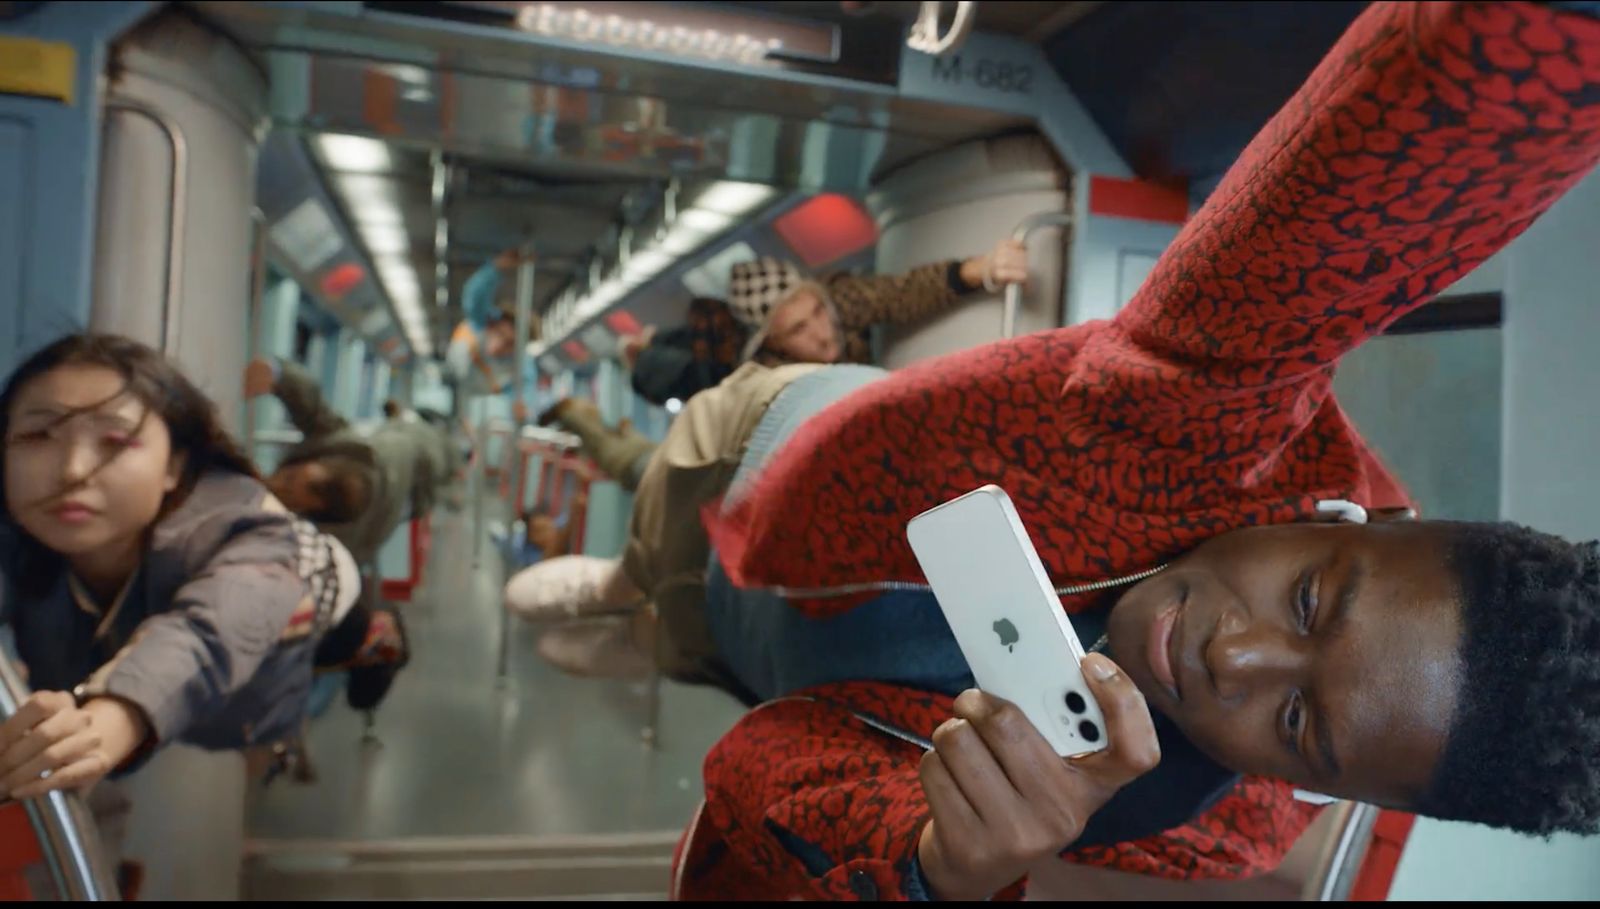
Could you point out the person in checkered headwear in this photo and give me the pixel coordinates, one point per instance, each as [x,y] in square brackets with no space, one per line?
[808,329]
[774,315]
[795,325]
[796,319]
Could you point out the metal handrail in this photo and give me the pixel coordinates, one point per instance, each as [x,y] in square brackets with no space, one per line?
[65,828]
[1335,874]
[258,283]
[524,315]
[1008,318]
[172,301]
[552,437]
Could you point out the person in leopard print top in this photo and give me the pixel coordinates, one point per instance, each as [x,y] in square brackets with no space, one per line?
[1197,429]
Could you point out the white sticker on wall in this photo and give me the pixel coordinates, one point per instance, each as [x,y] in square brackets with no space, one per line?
[307,236]
[710,278]
[375,322]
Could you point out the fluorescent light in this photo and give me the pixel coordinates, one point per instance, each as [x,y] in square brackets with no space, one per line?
[376,214]
[715,35]
[708,222]
[364,191]
[717,208]
[405,292]
[602,296]
[642,266]
[682,240]
[356,154]
[733,198]
[385,239]
[409,74]
[395,262]
[402,283]
[691,231]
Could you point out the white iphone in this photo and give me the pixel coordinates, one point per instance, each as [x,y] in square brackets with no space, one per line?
[1006,616]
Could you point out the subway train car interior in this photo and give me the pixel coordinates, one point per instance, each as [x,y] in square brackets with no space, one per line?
[799,450]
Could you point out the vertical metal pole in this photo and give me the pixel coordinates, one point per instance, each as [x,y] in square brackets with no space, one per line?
[481,478]
[503,666]
[525,276]
[651,734]
[66,830]
[1013,298]
[258,282]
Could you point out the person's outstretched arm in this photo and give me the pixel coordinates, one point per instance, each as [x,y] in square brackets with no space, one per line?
[1429,137]
[302,400]
[926,290]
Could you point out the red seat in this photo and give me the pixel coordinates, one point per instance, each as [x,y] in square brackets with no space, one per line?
[400,591]
[19,850]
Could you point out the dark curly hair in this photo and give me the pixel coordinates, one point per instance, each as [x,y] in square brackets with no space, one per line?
[1523,751]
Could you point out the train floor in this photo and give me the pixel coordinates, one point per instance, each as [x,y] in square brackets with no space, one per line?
[456,752]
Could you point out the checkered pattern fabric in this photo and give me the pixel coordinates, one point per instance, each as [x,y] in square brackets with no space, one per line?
[756,288]
[315,563]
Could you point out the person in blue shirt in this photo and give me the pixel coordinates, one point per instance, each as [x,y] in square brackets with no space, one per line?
[540,534]
[483,347]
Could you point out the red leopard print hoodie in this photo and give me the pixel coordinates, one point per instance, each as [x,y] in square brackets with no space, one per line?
[1430,136]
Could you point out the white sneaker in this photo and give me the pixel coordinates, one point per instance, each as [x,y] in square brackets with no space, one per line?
[596,648]
[565,587]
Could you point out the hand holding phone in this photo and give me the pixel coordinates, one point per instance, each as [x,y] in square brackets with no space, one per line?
[1006,617]
[1001,800]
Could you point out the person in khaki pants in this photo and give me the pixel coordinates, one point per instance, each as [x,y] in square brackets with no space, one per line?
[623,616]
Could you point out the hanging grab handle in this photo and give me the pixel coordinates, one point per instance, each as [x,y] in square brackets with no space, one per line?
[1008,319]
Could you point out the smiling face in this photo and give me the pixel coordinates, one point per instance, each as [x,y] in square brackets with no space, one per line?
[1325,655]
[87,465]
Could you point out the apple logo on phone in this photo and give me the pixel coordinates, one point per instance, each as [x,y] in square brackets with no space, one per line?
[1008,634]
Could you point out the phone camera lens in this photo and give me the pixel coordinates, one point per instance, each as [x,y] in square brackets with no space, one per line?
[1076,703]
[1089,731]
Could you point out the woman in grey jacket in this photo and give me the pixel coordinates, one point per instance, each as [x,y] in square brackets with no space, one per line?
[156,589]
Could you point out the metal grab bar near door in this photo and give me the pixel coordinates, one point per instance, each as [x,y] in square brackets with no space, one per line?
[524,314]
[1334,876]
[67,832]
[1013,302]
[177,199]
[258,283]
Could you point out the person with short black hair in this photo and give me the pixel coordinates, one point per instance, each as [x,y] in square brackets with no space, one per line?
[358,487]
[1527,717]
